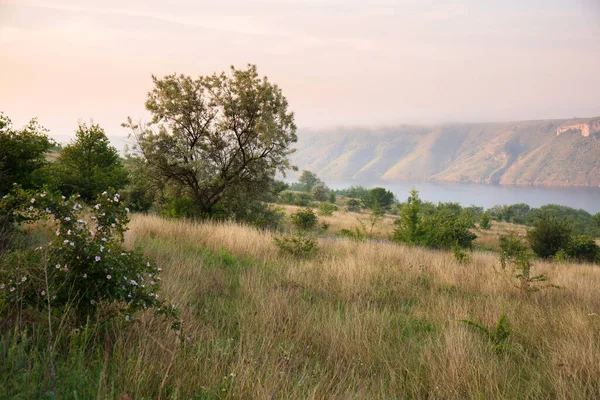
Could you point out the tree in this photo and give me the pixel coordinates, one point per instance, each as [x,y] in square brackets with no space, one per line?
[218,136]
[410,229]
[384,198]
[22,153]
[320,192]
[549,235]
[89,164]
[485,221]
[308,180]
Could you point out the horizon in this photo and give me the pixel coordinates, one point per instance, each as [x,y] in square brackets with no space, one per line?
[339,63]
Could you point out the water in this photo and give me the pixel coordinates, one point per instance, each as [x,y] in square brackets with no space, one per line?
[487,196]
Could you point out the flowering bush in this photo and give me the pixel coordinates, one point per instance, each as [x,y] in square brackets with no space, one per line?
[84,266]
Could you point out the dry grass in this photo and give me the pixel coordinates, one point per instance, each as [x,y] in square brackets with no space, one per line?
[360,320]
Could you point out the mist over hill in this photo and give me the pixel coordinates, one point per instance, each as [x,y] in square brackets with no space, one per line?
[562,152]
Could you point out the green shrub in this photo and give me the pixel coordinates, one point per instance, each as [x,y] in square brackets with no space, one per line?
[305,219]
[460,255]
[549,235]
[583,248]
[84,267]
[300,244]
[515,257]
[327,209]
[485,222]
[354,205]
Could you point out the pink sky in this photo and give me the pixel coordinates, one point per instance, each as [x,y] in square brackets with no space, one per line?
[339,62]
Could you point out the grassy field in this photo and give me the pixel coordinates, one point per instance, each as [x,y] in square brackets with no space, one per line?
[359,320]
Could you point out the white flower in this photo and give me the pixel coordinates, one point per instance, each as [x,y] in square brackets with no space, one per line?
[47,210]
[92,301]
[65,241]
[103,239]
[97,206]
[133,282]
[97,258]
[23,279]
[99,227]
[67,218]
[127,209]
[112,225]
[108,276]
[57,266]
[71,243]
[2,286]
[69,232]
[159,269]
[127,318]
[104,193]
[58,232]
[101,248]
[32,201]
[116,199]
[91,232]
[12,289]
[152,283]
[43,293]
[30,208]
[148,264]
[43,195]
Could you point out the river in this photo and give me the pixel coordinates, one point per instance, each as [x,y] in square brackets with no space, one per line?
[487,196]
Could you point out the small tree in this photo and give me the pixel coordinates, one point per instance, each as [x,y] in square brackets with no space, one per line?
[485,222]
[380,196]
[308,180]
[305,219]
[89,165]
[549,235]
[216,137]
[320,192]
[409,226]
[22,153]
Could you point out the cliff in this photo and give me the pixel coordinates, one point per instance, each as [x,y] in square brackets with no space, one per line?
[523,153]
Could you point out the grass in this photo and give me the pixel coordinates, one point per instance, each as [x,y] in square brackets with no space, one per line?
[359,320]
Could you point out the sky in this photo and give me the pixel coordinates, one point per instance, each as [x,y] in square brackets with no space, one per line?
[338,62]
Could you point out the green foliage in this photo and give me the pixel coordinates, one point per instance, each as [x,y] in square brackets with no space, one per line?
[442,228]
[359,233]
[305,219]
[216,137]
[320,192]
[516,258]
[354,205]
[498,335]
[327,209]
[331,197]
[85,266]
[300,244]
[301,199]
[22,154]
[582,248]
[549,235]
[308,180]
[460,255]
[485,222]
[355,192]
[380,196]
[89,165]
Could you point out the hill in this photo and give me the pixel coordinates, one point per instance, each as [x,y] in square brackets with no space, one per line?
[548,152]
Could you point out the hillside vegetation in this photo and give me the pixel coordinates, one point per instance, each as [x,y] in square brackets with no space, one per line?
[359,320]
[528,153]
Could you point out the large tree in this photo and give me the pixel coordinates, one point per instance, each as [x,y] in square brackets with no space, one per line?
[218,137]
[89,164]
[22,153]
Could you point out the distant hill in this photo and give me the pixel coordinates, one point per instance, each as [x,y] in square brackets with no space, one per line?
[549,152]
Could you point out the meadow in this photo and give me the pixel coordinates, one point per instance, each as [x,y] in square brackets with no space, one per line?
[358,320]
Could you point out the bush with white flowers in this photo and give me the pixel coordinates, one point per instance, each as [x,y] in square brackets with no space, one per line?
[84,266]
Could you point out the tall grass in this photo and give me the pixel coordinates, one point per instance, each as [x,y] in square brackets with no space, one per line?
[359,320]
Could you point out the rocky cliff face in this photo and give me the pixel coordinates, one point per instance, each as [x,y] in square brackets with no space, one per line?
[523,153]
[585,128]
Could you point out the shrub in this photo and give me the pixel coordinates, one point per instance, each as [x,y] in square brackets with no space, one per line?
[485,222]
[461,256]
[354,205]
[327,209]
[305,219]
[85,266]
[583,248]
[516,256]
[300,244]
[549,235]
[320,192]
[331,198]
